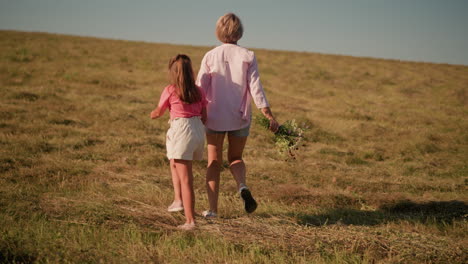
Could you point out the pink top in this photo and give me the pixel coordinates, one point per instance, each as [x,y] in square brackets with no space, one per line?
[177,108]
[229,76]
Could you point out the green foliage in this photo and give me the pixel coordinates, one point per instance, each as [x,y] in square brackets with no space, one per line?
[288,137]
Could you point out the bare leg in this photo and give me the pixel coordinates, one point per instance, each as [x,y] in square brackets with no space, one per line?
[236,164]
[175,183]
[215,160]
[237,167]
[184,170]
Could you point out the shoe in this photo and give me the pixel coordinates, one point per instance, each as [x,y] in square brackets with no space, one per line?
[175,207]
[187,227]
[249,202]
[209,214]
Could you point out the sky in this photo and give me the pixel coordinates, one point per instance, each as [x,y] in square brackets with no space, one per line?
[410,30]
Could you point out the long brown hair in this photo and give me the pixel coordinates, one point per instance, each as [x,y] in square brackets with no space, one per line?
[181,75]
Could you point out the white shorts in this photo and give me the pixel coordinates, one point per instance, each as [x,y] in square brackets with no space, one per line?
[185,139]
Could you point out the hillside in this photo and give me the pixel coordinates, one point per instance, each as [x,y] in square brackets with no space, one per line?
[380,178]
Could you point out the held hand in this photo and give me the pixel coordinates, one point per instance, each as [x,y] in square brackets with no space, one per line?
[273,125]
[204,116]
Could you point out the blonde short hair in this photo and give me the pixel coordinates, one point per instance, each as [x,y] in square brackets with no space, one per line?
[229,28]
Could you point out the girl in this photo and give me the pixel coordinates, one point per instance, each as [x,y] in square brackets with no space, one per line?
[185,138]
[229,76]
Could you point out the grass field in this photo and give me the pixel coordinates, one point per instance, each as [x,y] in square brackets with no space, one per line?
[381,177]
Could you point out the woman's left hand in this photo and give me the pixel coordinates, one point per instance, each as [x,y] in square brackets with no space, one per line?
[273,125]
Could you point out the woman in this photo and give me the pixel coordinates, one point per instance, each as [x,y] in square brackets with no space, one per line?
[229,76]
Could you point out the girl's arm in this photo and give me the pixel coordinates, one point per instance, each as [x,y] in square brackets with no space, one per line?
[158,112]
[203,115]
[162,105]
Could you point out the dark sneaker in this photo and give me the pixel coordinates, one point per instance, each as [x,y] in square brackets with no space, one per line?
[249,202]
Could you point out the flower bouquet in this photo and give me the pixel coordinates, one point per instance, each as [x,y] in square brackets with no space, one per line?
[288,137]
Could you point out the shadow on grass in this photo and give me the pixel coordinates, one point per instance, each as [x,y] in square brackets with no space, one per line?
[437,212]
[11,251]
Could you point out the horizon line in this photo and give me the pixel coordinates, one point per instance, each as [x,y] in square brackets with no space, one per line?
[250,47]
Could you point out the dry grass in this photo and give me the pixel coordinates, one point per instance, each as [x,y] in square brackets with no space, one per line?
[380,178]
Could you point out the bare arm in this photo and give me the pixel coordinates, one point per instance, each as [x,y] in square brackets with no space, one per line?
[203,116]
[156,113]
[266,111]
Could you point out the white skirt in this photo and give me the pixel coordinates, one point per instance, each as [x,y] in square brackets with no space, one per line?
[185,139]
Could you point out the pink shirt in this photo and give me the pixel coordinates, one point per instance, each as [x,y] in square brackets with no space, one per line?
[177,108]
[229,76]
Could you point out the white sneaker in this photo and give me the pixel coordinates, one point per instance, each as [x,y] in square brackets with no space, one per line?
[209,214]
[175,207]
[187,227]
